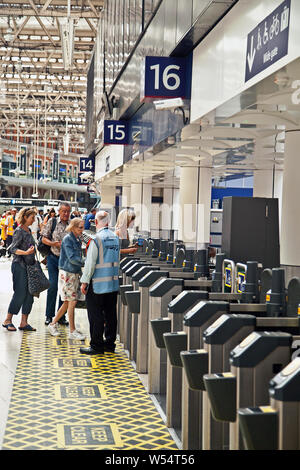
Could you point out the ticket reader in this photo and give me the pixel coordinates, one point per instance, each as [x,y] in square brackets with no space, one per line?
[161,295]
[217,274]
[177,308]
[253,363]
[275,427]
[195,323]
[145,283]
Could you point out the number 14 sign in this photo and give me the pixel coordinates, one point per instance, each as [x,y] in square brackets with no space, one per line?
[164,77]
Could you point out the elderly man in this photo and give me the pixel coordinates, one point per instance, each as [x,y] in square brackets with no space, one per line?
[100,284]
[53,234]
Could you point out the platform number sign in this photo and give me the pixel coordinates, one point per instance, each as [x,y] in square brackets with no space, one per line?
[164,77]
[116,133]
[87,164]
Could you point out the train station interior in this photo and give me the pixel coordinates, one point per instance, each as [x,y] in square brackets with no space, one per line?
[185,116]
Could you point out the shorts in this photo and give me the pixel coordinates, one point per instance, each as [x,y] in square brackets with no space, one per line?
[69,286]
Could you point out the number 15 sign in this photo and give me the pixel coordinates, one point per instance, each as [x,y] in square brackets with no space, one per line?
[116,133]
[164,77]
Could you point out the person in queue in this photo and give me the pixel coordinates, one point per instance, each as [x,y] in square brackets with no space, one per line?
[36,226]
[3,231]
[125,221]
[100,285]
[48,216]
[10,225]
[70,264]
[54,242]
[22,248]
[89,218]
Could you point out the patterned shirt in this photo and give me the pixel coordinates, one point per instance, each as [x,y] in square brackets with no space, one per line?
[22,240]
[58,234]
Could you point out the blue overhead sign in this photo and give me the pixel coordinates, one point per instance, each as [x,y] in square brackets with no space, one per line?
[164,77]
[116,133]
[269,41]
[87,164]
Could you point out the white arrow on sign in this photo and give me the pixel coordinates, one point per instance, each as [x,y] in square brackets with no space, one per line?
[252,56]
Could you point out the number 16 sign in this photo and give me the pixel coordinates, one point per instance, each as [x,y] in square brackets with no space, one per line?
[164,77]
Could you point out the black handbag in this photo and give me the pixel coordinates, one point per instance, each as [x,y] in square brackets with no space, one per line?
[45,249]
[37,281]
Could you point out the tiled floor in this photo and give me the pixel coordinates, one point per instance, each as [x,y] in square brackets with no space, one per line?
[58,394]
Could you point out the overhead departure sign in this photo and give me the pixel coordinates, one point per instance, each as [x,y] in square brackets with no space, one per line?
[269,41]
[164,77]
[116,133]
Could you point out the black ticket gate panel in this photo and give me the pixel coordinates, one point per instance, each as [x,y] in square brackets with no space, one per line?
[177,308]
[261,354]
[275,427]
[196,321]
[219,339]
[160,294]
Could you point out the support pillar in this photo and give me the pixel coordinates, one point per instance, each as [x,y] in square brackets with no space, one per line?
[194,206]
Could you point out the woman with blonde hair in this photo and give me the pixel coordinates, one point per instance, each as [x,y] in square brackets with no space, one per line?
[70,264]
[22,249]
[125,221]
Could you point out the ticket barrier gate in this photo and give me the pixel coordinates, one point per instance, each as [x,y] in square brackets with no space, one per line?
[124,319]
[219,339]
[223,336]
[177,308]
[131,306]
[160,296]
[253,363]
[277,426]
[195,323]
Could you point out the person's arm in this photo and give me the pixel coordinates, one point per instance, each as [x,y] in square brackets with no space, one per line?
[125,251]
[89,266]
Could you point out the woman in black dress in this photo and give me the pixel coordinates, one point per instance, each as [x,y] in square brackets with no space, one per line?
[22,248]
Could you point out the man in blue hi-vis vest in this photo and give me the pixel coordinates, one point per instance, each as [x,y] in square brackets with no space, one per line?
[100,284]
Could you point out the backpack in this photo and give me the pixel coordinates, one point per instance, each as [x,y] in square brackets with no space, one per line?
[42,248]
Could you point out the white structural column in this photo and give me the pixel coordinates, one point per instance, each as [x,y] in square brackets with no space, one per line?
[108,197]
[146,207]
[126,196]
[136,202]
[141,201]
[290,219]
[194,207]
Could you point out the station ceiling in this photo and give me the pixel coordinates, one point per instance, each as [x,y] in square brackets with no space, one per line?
[35,84]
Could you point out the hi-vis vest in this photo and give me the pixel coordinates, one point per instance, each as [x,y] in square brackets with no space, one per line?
[106,275]
[10,226]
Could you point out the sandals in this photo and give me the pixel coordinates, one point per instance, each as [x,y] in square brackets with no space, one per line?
[9,327]
[27,328]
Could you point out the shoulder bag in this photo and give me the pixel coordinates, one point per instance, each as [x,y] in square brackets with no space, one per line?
[37,281]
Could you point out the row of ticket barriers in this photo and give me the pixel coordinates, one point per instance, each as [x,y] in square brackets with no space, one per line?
[219,344]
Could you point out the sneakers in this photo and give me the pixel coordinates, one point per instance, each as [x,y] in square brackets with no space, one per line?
[53,329]
[76,335]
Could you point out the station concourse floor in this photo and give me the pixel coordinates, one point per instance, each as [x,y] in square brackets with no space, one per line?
[54,398]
